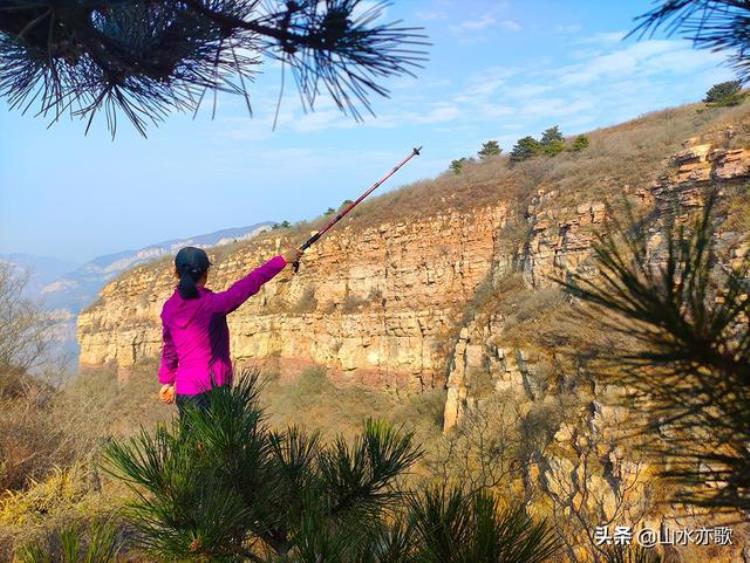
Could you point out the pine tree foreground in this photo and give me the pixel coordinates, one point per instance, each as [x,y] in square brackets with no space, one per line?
[689,362]
[221,485]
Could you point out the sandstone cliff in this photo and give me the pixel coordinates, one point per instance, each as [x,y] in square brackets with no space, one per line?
[585,468]
[560,238]
[375,304]
[389,299]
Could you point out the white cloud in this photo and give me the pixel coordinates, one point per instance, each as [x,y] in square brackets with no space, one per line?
[616,81]
[431,15]
[510,25]
[470,27]
[440,113]
[646,58]
[603,38]
[529,90]
[568,28]
[319,120]
[482,22]
[486,82]
[418,114]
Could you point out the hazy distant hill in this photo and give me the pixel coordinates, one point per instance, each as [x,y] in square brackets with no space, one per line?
[41,270]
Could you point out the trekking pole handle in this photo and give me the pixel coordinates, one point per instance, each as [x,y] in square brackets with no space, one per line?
[308,243]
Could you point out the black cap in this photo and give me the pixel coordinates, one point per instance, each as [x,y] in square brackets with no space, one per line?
[194,260]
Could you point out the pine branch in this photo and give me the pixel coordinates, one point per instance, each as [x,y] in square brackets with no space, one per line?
[147,59]
[688,362]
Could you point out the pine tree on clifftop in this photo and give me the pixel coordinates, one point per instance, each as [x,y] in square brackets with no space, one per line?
[525,148]
[552,141]
[489,149]
[725,94]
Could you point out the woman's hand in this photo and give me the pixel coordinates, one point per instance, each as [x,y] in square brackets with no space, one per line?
[292,255]
[166,394]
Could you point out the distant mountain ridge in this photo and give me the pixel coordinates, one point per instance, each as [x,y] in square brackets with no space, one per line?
[123,260]
[41,270]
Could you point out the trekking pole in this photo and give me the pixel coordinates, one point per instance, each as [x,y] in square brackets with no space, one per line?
[313,239]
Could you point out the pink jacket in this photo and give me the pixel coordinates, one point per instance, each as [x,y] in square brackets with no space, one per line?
[196,336]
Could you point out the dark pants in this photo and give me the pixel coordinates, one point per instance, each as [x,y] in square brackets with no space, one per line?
[201,401]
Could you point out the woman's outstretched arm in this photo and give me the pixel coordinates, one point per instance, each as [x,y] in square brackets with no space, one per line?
[227,301]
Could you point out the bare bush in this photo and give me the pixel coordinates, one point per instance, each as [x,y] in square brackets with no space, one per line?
[45,428]
[25,335]
[483,452]
[585,490]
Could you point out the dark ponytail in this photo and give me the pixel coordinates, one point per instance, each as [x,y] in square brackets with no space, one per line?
[187,287]
[191,263]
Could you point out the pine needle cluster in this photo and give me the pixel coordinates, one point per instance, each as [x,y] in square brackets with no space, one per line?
[684,350]
[148,58]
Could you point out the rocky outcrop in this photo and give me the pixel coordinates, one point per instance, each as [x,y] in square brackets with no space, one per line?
[589,472]
[560,239]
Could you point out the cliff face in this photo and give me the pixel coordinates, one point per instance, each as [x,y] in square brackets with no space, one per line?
[560,238]
[376,305]
[394,303]
[589,468]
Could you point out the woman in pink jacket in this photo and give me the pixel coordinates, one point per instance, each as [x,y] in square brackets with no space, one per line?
[195,355]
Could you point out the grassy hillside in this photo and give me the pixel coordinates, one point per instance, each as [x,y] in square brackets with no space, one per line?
[50,475]
[628,154]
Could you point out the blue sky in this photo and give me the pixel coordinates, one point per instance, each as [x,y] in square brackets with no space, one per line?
[497,70]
